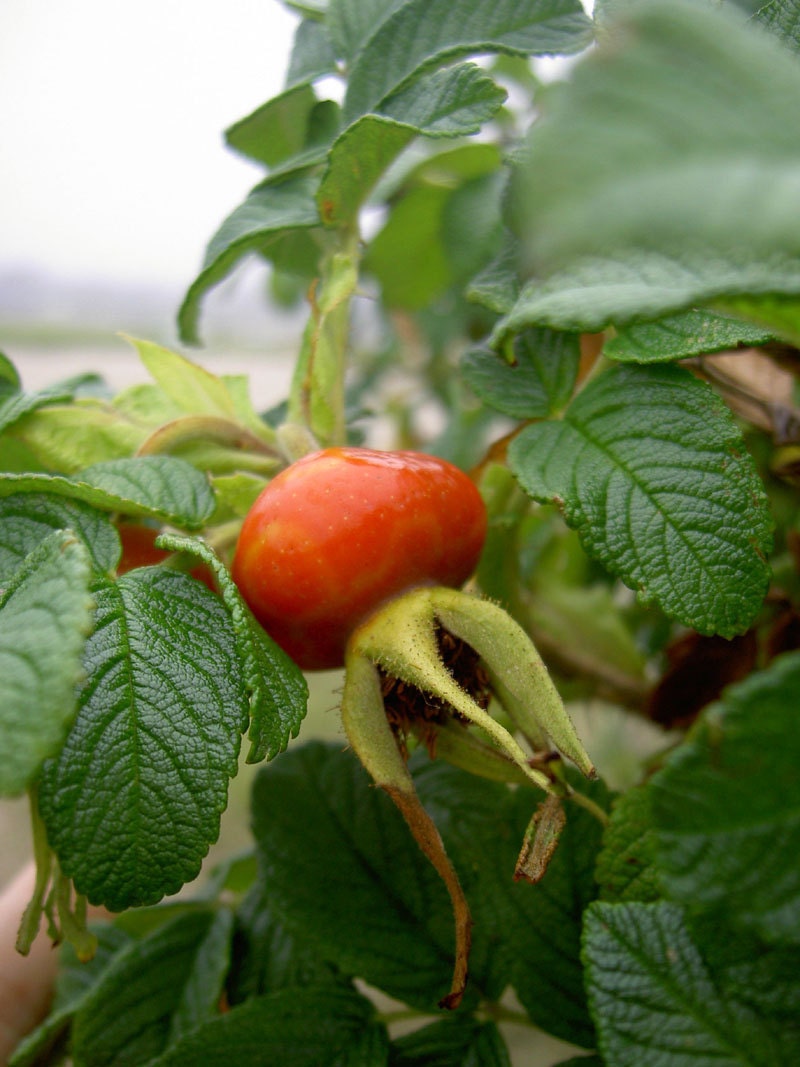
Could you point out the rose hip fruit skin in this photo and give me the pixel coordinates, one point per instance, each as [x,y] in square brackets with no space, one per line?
[139,550]
[343,530]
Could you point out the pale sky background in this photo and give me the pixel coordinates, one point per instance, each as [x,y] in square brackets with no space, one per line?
[111,121]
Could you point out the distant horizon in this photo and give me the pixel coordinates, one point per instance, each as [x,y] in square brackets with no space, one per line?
[43,303]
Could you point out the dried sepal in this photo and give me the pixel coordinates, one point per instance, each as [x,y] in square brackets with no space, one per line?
[375,744]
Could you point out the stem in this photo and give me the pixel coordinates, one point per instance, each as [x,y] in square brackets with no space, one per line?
[32,916]
[317,395]
[591,806]
[499,1013]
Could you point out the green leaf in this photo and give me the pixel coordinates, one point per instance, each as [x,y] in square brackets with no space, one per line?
[269,957]
[8,373]
[781,17]
[496,286]
[452,1042]
[154,991]
[308,8]
[359,889]
[201,993]
[635,285]
[276,686]
[235,495]
[447,103]
[268,212]
[15,405]
[312,54]
[277,130]
[28,518]
[45,616]
[351,22]
[147,404]
[443,226]
[693,333]
[133,801]
[734,847]
[396,52]
[407,255]
[764,978]
[66,438]
[533,931]
[626,867]
[775,311]
[357,159]
[654,1000]
[322,1027]
[650,469]
[158,487]
[73,985]
[539,382]
[685,120]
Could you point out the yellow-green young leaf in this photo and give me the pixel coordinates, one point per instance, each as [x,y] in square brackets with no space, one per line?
[235,494]
[45,616]
[146,404]
[193,389]
[649,467]
[68,438]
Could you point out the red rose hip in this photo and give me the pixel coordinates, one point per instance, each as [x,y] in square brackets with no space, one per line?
[341,531]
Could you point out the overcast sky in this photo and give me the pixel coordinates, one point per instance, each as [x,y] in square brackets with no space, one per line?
[111,120]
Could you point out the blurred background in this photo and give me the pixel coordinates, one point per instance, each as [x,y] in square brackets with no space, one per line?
[115,175]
